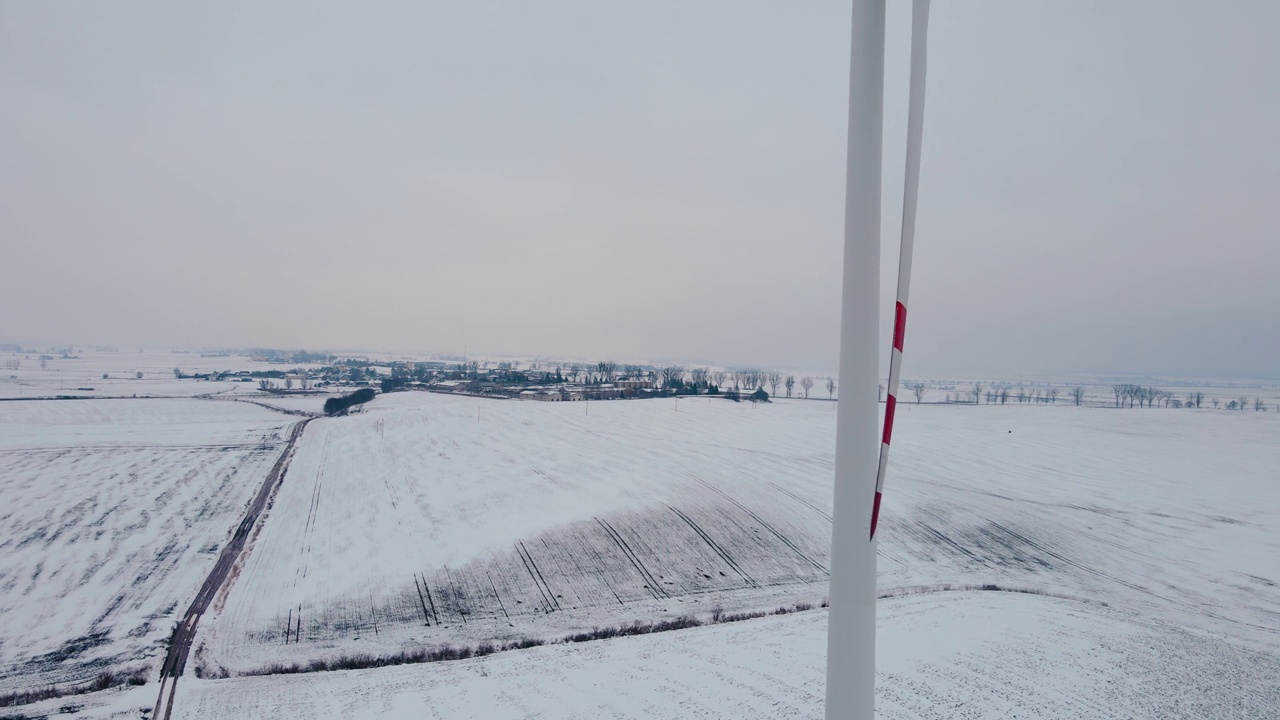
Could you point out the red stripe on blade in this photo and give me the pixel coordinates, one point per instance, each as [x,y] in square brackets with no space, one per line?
[899,326]
[875,516]
[889,406]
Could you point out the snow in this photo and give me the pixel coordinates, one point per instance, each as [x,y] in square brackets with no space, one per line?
[1161,514]
[953,655]
[498,519]
[113,512]
[1143,544]
[70,376]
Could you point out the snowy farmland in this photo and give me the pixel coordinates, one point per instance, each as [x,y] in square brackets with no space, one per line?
[963,655]
[113,513]
[101,374]
[1143,544]
[430,519]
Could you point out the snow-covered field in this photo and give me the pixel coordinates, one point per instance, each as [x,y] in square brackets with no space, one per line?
[82,374]
[112,514]
[941,655]
[438,518]
[1146,543]
[518,519]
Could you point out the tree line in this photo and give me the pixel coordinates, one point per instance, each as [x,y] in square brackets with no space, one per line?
[341,403]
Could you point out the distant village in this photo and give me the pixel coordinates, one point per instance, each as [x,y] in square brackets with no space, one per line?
[574,382]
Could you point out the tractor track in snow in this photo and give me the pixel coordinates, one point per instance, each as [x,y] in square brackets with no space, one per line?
[652,584]
[184,634]
[716,547]
[772,530]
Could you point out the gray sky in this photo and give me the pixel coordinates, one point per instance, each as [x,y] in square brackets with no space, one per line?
[664,180]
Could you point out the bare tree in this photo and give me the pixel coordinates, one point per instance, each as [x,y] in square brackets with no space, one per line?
[1077,394]
[1053,395]
[698,376]
[790,384]
[1022,395]
[1258,405]
[288,383]
[976,392]
[1119,391]
[807,383]
[831,388]
[606,368]
[717,378]
[1240,405]
[265,385]
[1215,403]
[775,379]
[306,382]
[1004,394]
[672,375]
[919,390]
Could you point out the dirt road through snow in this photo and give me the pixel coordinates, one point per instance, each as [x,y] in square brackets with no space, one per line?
[184,634]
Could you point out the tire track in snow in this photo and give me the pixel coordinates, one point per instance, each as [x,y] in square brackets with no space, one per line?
[802,501]
[536,576]
[783,538]
[716,547]
[654,588]
[1132,586]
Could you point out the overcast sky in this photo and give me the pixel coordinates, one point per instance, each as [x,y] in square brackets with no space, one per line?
[1100,186]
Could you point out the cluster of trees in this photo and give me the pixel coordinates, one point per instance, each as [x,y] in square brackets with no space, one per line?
[1126,395]
[1240,404]
[288,356]
[1142,396]
[335,405]
[742,383]
[304,383]
[1129,395]
[999,394]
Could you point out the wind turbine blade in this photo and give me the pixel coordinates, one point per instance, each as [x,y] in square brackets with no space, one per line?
[910,195]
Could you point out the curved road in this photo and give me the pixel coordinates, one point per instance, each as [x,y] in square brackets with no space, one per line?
[184,634]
